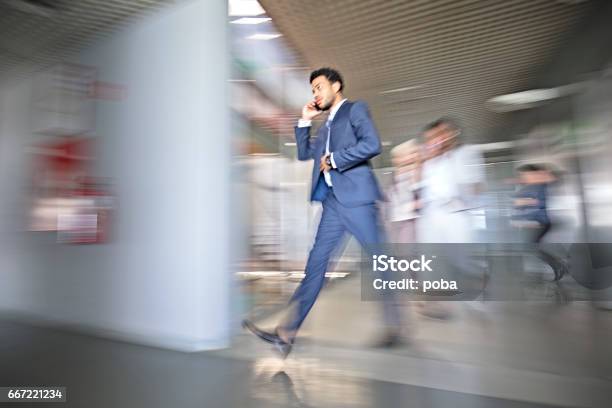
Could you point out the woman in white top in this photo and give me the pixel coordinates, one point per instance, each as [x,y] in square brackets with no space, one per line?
[402,195]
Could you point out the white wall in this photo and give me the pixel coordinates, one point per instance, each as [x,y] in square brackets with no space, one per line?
[13,136]
[165,278]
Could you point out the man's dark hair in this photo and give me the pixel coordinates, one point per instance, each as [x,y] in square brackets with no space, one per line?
[331,74]
[450,122]
[528,168]
[532,167]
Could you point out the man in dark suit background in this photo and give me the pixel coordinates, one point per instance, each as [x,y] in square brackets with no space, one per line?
[343,181]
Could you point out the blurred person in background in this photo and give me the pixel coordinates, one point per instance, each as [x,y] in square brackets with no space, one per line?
[403,194]
[343,181]
[452,181]
[530,203]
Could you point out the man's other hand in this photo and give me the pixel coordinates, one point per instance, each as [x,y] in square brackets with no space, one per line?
[323,166]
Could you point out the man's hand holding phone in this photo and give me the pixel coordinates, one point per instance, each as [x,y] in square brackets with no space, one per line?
[310,111]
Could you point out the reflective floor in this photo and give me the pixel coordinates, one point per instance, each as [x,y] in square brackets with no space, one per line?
[104,373]
[554,351]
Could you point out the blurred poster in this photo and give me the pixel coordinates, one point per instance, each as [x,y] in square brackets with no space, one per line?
[65,197]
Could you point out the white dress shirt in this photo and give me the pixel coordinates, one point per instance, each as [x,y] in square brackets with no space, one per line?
[330,118]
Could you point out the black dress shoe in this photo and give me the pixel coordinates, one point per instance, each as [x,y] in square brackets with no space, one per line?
[262,334]
[280,346]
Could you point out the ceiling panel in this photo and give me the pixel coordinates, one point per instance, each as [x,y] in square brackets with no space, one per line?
[452,55]
[38,33]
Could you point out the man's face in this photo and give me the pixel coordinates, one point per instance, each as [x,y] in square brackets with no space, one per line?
[528,177]
[440,139]
[536,177]
[324,92]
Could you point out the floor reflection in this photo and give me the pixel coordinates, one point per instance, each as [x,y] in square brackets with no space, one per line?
[307,382]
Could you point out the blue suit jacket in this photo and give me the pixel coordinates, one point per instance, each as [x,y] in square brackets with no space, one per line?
[354,140]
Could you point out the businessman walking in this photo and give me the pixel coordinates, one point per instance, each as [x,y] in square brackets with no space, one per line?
[343,181]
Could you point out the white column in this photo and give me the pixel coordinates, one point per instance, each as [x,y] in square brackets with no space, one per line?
[165,278]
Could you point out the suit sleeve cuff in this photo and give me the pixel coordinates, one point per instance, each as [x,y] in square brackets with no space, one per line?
[304,123]
[331,158]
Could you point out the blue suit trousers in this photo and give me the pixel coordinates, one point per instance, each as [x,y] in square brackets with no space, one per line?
[336,221]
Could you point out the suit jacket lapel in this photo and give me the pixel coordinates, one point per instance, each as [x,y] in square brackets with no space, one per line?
[341,116]
[343,111]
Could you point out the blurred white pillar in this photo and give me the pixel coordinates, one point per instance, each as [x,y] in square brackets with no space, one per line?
[164,280]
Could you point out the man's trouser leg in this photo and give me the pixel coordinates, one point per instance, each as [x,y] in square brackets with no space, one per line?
[329,235]
[545,251]
[362,223]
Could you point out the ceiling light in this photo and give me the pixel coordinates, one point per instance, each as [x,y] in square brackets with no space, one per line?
[526,97]
[296,68]
[533,97]
[263,37]
[522,100]
[407,88]
[245,8]
[251,20]
[496,146]
[290,144]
